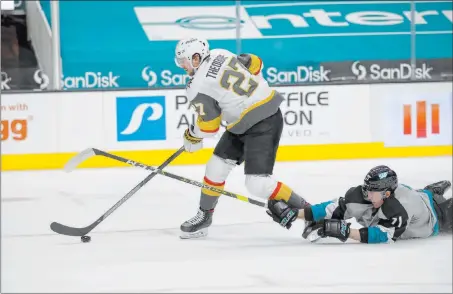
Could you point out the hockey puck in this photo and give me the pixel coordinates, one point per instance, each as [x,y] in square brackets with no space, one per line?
[86,239]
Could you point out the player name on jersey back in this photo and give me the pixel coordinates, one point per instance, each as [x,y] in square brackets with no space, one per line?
[215,66]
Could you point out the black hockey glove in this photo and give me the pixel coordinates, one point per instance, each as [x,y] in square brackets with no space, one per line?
[282,213]
[336,228]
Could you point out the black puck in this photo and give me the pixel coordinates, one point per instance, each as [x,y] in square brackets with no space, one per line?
[85,239]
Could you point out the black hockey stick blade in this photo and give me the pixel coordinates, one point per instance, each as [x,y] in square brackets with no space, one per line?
[78,159]
[70,231]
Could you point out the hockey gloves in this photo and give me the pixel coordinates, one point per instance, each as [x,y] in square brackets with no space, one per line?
[282,213]
[336,228]
[192,143]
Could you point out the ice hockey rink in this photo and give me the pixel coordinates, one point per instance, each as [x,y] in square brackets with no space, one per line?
[138,249]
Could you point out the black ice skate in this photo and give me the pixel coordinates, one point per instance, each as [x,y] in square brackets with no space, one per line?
[197,226]
[438,190]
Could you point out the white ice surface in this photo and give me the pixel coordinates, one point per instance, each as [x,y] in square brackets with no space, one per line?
[137,248]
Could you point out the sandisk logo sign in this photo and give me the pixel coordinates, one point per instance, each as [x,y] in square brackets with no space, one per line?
[421,112]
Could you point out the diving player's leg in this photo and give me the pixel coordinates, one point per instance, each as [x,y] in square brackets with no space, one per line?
[260,149]
[442,206]
[439,189]
[227,154]
[445,216]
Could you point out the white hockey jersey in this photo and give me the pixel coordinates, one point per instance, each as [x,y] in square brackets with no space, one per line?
[230,88]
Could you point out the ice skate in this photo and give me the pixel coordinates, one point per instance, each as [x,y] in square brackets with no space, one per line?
[439,189]
[197,226]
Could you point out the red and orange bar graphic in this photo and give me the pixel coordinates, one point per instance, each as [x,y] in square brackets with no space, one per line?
[421,119]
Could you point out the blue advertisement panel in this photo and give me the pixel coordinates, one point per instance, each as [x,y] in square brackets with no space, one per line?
[128,44]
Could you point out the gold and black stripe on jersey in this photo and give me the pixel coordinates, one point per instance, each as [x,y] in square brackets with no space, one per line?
[209,115]
[252,62]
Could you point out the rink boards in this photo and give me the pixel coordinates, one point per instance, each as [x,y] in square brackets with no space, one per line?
[42,130]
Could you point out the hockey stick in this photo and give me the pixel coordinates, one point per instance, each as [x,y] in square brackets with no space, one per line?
[93,152]
[71,231]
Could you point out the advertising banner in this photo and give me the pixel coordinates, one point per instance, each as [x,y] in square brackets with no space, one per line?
[303,42]
[148,120]
[44,130]
[80,121]
[390,70]
[312,115]
[23,78]
[413,115]
[325,115]
[138,120]
[29,124]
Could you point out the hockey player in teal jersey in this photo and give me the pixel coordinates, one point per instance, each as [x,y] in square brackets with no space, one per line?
[387,210]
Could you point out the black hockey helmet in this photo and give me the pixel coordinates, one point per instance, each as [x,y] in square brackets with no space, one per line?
[380,178]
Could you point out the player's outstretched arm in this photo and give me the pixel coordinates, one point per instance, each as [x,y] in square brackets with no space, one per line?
[327,227]
[386,231]
[349,206]
[284,214]
[393,220]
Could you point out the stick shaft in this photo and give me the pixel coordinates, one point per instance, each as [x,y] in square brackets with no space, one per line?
[179,178]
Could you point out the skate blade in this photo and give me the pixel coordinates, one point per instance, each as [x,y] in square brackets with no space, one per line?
[193,235]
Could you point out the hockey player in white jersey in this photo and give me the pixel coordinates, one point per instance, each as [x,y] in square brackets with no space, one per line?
[224,86]
[386,209]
